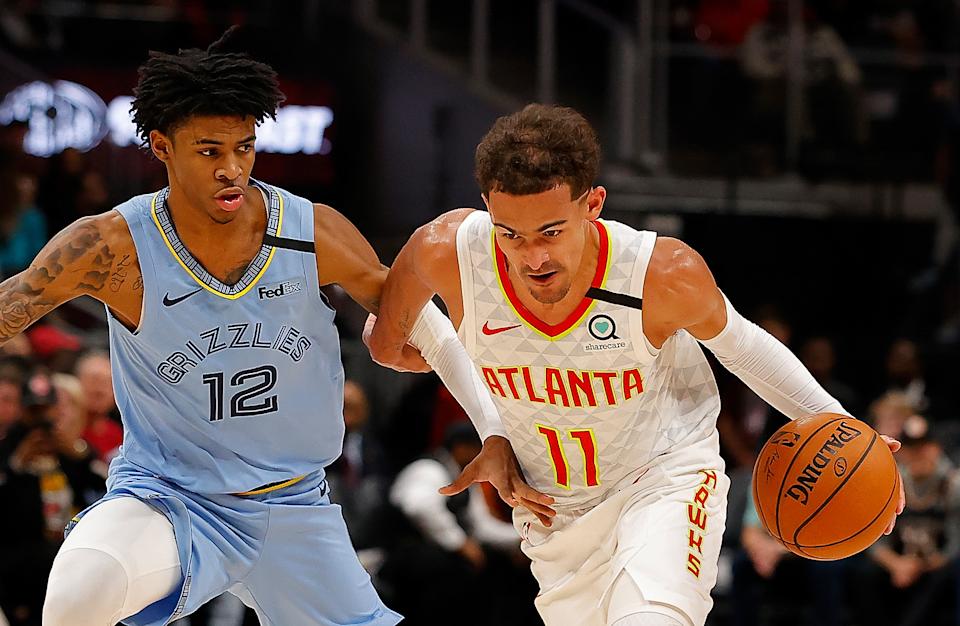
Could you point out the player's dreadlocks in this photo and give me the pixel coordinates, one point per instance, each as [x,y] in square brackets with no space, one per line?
[175,87]
[536,149]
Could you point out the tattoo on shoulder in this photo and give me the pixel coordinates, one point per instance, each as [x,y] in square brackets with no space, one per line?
[120,272]
[24,298]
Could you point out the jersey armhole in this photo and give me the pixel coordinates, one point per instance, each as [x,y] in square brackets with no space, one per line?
[465,234]
[307,233]
[146,263]
[647,240]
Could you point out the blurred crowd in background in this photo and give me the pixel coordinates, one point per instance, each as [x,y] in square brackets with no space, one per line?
[879,95]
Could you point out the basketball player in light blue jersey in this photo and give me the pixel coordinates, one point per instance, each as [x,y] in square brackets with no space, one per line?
[227,373]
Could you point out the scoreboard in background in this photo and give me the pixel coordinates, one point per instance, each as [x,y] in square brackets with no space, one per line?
[91,111]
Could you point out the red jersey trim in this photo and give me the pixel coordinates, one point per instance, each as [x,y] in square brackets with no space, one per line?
[554,331]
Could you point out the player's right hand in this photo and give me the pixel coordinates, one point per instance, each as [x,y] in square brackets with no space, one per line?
[497,465]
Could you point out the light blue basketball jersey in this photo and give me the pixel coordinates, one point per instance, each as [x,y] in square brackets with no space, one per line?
[227,388]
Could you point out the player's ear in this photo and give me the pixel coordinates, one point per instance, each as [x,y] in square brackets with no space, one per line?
[160,145]
[486,201]
[595,200]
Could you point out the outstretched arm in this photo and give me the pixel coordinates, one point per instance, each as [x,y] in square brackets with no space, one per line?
[428,265]
[682,295]
[86,258]
[346,258]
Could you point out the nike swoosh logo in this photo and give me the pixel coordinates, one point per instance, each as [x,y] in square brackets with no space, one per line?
[493,331]
[168,301]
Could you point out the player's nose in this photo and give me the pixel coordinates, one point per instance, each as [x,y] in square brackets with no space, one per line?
[229,172]
[534,258]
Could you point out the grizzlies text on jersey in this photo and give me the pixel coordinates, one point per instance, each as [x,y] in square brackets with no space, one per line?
[225,388]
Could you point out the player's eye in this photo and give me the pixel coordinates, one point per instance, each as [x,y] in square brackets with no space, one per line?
[247,147]
[509,236]
[551,233]
[208,152]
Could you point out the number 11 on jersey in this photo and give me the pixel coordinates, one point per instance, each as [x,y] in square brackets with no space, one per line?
[588,449]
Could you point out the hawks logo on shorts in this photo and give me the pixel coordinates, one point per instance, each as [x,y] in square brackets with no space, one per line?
[588,401]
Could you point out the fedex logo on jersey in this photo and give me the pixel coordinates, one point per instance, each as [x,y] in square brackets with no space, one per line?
[278,290]
[564,387]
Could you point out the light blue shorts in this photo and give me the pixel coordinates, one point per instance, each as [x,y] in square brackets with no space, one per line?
[285,553]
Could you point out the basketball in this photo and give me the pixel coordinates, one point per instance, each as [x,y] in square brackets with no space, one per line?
[826,486]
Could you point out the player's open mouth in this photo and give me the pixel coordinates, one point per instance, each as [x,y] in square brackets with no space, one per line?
[542,279]
[230,199]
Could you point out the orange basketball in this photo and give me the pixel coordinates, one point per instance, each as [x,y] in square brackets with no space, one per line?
[826,486]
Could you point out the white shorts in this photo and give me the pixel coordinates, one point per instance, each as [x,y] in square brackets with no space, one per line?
[664,531]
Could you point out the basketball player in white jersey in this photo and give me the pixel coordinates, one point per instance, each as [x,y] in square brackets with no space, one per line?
[586,334]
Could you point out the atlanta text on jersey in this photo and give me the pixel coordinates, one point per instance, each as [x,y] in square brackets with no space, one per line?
[565,387]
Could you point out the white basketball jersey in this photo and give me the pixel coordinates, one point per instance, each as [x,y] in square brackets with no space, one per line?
[587,403]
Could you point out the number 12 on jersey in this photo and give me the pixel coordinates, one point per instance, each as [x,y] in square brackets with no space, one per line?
[588,448]
[246,402]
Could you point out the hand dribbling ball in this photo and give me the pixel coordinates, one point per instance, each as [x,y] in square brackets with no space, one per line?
[826,486]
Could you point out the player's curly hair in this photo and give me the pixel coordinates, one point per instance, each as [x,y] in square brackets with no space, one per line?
[175,87]
[536,149]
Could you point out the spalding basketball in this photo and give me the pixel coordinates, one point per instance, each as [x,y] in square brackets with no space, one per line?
[826,486]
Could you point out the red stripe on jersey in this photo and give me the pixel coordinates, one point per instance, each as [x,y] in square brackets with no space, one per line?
[552,330]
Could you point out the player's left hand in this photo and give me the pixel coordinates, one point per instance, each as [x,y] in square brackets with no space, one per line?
[894,445]
[409,359]
[497,465]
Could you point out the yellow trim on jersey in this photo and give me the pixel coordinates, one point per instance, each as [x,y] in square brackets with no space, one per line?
[273,250]
[506,298]
[563,455]
[583,453]
[273,487]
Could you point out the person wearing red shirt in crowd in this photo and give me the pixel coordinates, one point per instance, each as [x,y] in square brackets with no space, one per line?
[103,431]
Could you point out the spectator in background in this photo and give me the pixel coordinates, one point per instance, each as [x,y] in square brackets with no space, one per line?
[10,407]
[103,431]
[831,79]
[11,144]
[47,475]
[889,412]
[905,373]
[768,580]
[818,355]
[357,481]
[70,419]
[915,568]
[23,228]
[70,190]
[24,28]
[54,347]
[456,550]
[20,347]
[726,22]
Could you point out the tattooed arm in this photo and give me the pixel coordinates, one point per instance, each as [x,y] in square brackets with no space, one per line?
[94,256]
